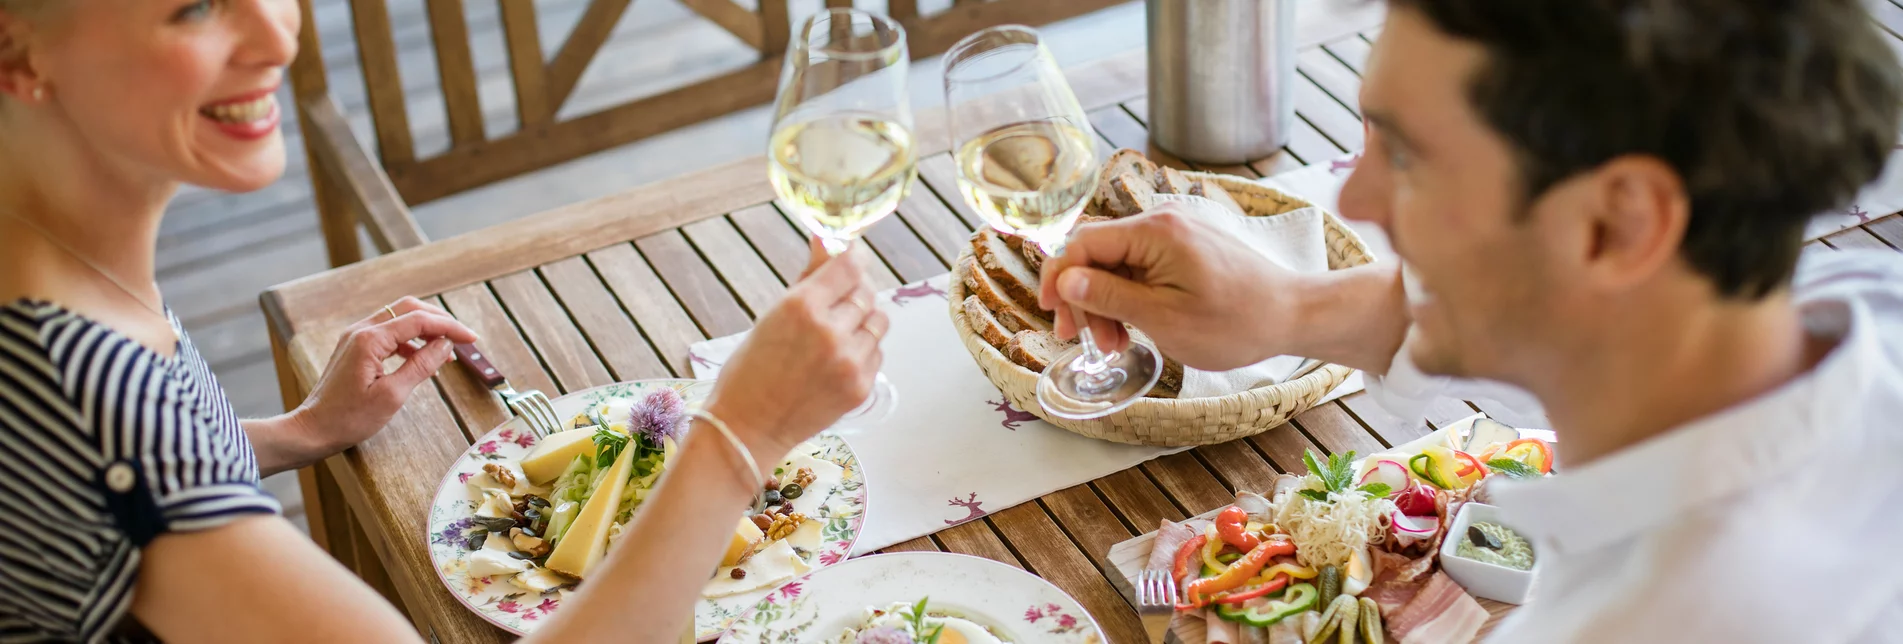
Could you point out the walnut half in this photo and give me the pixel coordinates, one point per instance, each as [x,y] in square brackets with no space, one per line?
[501,474]
[784,525]
[804,477]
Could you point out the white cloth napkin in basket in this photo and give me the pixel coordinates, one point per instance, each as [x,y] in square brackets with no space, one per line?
[1293,240]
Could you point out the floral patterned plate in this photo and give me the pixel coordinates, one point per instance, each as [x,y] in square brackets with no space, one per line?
[519,611]
[1020,607]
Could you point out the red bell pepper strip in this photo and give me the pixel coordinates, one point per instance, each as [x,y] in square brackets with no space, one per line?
[1189,550]
[1237,597]
[1238,573]
[1545,452]
[1470,465]
[1231,525]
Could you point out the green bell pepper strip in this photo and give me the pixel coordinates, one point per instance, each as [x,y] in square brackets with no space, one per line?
[1300,598]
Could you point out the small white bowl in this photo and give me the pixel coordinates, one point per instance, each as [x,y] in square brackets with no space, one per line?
[1482,579]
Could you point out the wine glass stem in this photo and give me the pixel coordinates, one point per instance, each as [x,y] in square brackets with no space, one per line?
[834,246]
[1093,367]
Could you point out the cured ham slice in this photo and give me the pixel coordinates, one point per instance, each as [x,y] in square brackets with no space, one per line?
[1392,595]
[1288,631]
[1220,631]
[1441,613]
[1170,538]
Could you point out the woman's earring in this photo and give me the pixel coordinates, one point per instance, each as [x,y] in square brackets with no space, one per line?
[39,94]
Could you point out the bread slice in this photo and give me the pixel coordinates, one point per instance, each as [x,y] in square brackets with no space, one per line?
[1007,267]
[987,325]
[1124,187]
[1172,181]
[1170,383]
[1014,241]
[1034,257]
[1203,187]
[1012,317]
[1036,350]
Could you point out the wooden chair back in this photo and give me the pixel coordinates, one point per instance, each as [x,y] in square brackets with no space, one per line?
[351,188]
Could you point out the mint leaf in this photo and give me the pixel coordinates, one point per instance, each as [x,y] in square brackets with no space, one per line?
[1378,490]
[1317,495]
[1308,458]
[608,445]
[1344,471]
[1513,468]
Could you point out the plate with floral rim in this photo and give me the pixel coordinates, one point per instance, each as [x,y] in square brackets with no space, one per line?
[451,518]
[1016,606]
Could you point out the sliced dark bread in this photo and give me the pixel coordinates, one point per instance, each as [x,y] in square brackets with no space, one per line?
[1168,383]
[1172,181]
[1005,310]
[986,324]
[1034,257]
[1007,267]
[1214,191]
[1125,185]
[1036,350]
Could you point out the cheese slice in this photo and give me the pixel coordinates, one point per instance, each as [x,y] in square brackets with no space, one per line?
[486,563]
[551,456]
[587,538]
[538,580]
[806,537]
[826,478]
[743,537]
[775,564]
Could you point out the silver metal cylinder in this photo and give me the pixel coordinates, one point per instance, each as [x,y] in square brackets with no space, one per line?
[1221,74]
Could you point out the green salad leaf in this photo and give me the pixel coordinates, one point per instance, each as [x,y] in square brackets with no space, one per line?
[1513,468]
[608,445]
[1337,475]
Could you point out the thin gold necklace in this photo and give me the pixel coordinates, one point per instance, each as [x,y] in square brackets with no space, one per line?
[96,269]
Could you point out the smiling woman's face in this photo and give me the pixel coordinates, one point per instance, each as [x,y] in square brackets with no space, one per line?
[178,89]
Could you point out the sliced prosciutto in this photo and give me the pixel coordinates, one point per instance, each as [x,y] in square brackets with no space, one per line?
[1442,612]
[1170,538]
[1221,631]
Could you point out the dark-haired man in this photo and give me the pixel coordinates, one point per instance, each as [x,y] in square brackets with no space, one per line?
[1601,202]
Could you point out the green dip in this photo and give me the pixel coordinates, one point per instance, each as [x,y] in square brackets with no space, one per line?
[1514,551]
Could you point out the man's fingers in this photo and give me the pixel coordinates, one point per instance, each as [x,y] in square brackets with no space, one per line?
[836,277]
[1106,245]
[1101,293]
[816,256]
[1109,333]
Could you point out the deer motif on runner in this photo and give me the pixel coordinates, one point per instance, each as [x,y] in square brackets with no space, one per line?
[1338,165]
[921,290]
[971,503]
[1011,415]
[697,359]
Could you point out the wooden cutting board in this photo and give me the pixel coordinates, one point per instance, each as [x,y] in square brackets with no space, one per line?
[1129,557]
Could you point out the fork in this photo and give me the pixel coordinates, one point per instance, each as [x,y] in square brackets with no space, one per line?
[1156,590]
[531,406]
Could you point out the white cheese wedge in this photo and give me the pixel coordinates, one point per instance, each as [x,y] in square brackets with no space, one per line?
[806,537]
[587,539]
[498,542]
[826,478]
[538,580]
[487,563]
[743,537]
[495,504]
[551,456]
[775,564]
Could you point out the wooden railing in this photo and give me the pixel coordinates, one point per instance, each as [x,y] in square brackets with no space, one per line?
[351,189]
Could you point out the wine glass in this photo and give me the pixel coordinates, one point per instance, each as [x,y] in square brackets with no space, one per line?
[1026,164]
[842,153]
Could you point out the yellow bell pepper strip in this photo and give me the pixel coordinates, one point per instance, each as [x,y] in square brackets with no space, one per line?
[1423,466]
[1212,546]
[1471,469]
[1201,591]
[1251,591]
[1532,452]
[1181,567]
[1292,570]
[1231,524]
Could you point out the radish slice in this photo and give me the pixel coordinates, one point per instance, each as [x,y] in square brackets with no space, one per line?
[1389,472]
[1408,530]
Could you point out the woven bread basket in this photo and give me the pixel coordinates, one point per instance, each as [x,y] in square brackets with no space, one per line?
[1176,422]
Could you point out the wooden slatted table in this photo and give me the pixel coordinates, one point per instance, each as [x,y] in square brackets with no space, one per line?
[618,288]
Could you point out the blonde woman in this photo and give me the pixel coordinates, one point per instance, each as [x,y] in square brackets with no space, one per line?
[129,504]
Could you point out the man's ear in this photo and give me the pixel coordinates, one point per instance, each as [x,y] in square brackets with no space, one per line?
[1638,211]
[17,76]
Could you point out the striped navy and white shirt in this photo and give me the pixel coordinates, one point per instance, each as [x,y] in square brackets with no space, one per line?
[104,445]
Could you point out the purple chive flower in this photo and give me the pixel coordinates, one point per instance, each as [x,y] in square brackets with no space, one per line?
[658,416]
[883,635]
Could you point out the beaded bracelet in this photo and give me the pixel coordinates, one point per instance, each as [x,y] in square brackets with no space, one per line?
[753,467]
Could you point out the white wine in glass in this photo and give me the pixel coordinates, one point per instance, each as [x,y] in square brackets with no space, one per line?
[1026,163]
[840,174]
[843,153]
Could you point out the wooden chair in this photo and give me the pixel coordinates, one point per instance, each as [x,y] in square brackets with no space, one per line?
[351,188]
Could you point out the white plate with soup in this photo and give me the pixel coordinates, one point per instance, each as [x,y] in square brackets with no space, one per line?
[967,600]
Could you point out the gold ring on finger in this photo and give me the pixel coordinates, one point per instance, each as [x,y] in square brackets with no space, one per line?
[391,311]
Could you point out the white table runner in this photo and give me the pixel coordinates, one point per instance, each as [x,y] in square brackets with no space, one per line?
[954,450]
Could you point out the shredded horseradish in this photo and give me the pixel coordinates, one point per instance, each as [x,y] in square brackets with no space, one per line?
[1328,533]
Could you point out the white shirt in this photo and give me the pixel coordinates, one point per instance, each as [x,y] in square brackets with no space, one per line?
[1776,520]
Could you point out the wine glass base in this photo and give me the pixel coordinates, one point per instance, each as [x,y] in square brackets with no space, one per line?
[1067,392]
[876,409]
